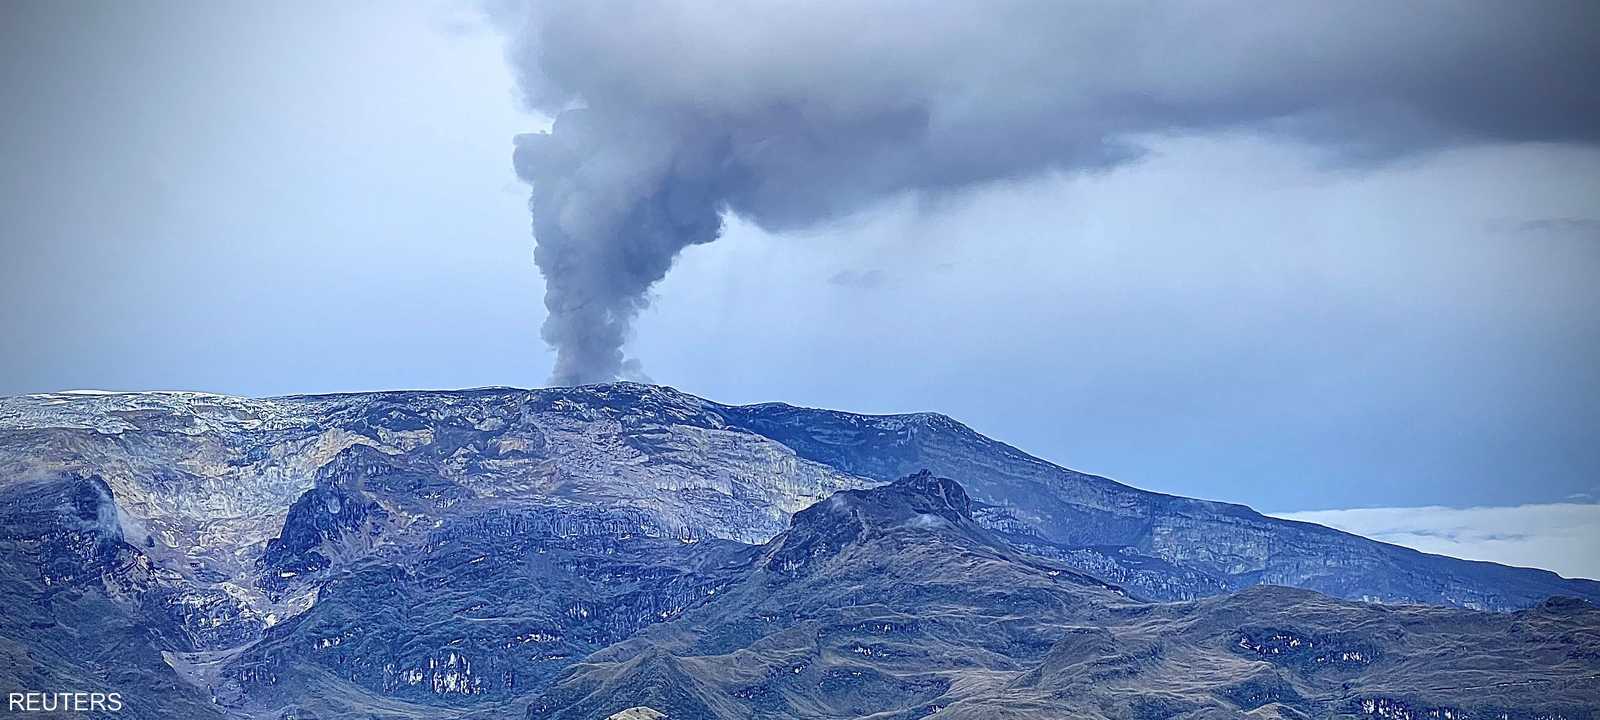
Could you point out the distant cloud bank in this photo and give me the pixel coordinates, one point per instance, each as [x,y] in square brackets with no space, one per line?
[1562,537]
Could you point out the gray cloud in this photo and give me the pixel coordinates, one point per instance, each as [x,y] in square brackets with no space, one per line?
[1555,536]
[670,114]
[1557,226]
[858,279]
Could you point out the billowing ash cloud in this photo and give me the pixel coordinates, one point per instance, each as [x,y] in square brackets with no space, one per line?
[669,114]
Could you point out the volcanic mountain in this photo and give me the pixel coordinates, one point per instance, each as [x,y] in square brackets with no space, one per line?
[586,551]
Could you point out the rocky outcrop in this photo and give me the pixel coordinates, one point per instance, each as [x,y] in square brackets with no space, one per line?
[638,713]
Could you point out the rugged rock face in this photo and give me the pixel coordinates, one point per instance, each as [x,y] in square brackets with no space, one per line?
[208,477]
[638,713]
[897,617]
[84,610]
[560,552]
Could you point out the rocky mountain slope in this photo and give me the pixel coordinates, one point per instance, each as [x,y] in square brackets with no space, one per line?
[209,478]
[579,552]
[895,603]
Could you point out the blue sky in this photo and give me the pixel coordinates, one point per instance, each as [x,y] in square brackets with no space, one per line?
[295,198]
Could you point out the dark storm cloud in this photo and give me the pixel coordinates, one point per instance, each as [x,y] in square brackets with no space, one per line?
[787,113]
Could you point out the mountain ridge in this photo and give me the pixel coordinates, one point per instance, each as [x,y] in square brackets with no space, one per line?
[1164,546]
[574,553]
[917,621]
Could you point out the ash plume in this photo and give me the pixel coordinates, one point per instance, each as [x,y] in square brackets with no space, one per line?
[670,114]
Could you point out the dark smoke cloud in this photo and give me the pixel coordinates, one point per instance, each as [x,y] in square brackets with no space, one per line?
[788,113]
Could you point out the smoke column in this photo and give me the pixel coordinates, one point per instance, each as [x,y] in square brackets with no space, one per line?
[610,211]
[668,115]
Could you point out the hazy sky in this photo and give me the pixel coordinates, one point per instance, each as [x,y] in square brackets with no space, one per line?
[279,198]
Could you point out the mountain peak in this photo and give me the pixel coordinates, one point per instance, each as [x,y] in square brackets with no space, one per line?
[928,493]
[920,501]
[914,496]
